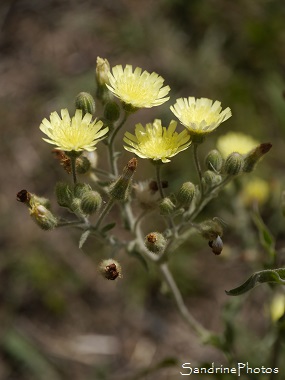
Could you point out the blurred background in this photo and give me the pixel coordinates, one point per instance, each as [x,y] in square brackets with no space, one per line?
[58,318]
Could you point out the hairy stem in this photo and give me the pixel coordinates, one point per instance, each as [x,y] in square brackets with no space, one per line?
[73,168]
[198,167]
[104,213]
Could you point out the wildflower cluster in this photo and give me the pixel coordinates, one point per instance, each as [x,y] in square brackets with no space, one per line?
[123,91]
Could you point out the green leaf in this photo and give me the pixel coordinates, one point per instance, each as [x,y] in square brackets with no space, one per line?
[83,238]
[276,276]
[265,236]
[108,227]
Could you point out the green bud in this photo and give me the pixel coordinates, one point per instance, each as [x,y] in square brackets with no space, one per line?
[43,217]
[210,229]
[82,165]
[91,202]
[64,194]
[120,189]
[214,161]
[80,189]
[211,179]
[112,111]
[155,242]
[110,269]
[85,102]
[234,163]
[166,206]
[186,194]
[76,206]
[252,158]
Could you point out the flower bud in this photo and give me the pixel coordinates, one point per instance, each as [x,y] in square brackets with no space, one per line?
[166,206]
[252,158]
[76,206]
[210,229]
[186,194]
[234,163]
[110,269]
[80,189]
[216,245]
[91,202]
[211,179]
[64,194]
[85,102]
[214,161]
[155,242]
[43,217]
[102,70]
[82,165]
[120,189]
[112,111]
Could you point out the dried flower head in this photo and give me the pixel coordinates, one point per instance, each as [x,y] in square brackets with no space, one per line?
[200,116]
[157,142]
[110,269]
[76,134]
[137,89]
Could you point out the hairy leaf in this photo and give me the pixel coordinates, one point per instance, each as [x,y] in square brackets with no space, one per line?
[269,275]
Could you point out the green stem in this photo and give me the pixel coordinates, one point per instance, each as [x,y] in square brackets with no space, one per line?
[198,167]
[105,211]
[158,179]
[73,168]
[112,159]
[185,313]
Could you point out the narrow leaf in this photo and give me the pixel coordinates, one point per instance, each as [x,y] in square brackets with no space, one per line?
[108,227]
[269,275]
[265,236]
[83,238]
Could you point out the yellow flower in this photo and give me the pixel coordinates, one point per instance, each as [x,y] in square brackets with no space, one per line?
[235,142]
[137,89]
[157,142]
[277,307]
[200,116]
[255,190]
[74,134]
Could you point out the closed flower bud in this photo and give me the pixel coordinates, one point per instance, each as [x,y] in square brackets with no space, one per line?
[234,163]
[216,245]
[155,242]
[110,269]
[166,206]
[76,206]
[91,202]
[186,194]
[82,165]
[102,70]
[211,179]
[80,189]
[64,194]
[210,229]
[252,158]
[120,189]
[112,111]
[214,161]
[43,217]
[85,102]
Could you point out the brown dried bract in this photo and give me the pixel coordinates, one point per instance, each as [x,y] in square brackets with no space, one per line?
[23,196]
[64,160]
[151,238]
[111,272]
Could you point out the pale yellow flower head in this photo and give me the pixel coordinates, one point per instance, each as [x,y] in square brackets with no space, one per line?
[255,190]
[76,134]
[235,142]
[277,307]
[137,89]
[157,142]
[200,116]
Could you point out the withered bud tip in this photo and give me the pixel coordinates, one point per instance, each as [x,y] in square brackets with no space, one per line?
[152,238]
[265,147]
[23,196]
[132,164]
